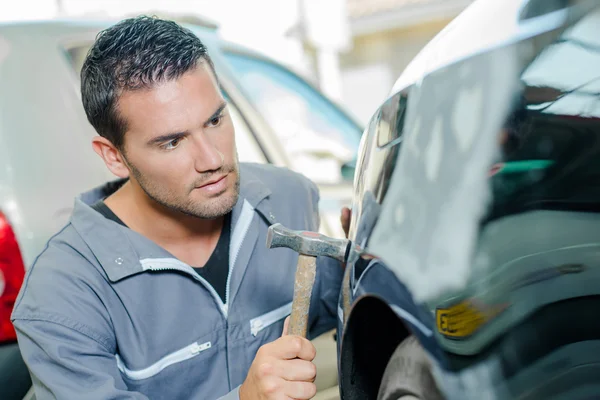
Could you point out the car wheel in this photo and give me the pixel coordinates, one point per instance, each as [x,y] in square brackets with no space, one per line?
[408,375]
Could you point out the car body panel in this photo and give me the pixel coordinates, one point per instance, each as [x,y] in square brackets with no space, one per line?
[429,143]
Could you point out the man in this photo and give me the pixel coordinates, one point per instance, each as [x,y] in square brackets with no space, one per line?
[161,286]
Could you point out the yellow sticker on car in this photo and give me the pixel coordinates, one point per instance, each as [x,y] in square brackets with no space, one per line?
[463,319]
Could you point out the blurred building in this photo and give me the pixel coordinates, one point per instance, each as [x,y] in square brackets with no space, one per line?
[353,50]
[386,35]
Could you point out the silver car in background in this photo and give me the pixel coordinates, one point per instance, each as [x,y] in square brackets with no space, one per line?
[46,157]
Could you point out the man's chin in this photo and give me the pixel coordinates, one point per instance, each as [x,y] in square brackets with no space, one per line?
[216,205]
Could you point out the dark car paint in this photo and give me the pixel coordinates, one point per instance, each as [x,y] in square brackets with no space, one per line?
[377,310]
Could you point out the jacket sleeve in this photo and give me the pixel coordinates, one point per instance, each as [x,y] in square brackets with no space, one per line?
[328,282]
[323,314]
[68,361]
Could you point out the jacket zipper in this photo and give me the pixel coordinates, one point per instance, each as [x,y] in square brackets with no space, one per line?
[237,238]
[264,321]
[181,355]
[239,234]
[242,225]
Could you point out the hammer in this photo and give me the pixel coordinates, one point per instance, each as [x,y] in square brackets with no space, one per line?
[309,245]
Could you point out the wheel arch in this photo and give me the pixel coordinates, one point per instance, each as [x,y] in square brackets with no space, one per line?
[371,334]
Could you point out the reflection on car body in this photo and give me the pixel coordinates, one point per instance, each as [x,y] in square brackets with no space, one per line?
[477,206]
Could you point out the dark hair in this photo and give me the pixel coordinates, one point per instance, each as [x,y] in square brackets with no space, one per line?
[134,54]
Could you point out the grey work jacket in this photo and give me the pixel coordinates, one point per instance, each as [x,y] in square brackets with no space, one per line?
[105,313]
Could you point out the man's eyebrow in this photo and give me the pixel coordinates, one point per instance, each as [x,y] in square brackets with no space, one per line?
[217,113]
[167,138]
[178,135]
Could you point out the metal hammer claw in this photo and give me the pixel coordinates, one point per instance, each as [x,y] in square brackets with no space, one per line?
[309,245]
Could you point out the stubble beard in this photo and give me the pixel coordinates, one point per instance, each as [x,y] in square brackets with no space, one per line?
[208,209]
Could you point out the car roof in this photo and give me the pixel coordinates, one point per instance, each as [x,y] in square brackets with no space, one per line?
[69,25]
[501,22]
[65,28]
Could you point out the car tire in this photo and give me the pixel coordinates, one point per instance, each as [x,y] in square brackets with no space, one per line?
[408,375]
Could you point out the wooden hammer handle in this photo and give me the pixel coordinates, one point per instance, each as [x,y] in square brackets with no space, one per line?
[303,285]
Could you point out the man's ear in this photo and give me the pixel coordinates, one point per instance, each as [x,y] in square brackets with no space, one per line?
[111,155]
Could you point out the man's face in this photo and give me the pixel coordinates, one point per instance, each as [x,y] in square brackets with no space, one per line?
[180,144]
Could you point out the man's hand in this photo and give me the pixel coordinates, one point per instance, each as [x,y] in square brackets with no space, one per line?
[345,220]
[282,370]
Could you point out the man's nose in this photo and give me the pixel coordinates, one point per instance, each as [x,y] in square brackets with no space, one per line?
[207,157]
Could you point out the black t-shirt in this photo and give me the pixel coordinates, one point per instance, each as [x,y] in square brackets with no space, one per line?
[216,269]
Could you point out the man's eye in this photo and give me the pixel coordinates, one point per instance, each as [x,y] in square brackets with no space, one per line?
[171,144]
[216,121]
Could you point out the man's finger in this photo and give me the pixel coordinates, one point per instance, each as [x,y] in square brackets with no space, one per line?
[345,217]
[300,390]
[290,347]
[295,370]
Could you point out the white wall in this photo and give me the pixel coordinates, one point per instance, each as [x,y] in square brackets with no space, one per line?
[376,60]
[27,9]
[364,88]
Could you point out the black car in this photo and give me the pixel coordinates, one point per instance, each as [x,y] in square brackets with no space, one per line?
[476,215]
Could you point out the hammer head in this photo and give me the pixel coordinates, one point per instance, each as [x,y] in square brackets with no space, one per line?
[307,243]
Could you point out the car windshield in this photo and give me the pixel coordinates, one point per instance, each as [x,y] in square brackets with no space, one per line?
[317,135]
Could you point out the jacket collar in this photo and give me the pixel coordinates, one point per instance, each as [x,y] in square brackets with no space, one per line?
[119,250]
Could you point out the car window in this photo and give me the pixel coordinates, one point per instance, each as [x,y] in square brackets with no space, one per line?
[392,115]
[318,137]
[248,148]
[376,162]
